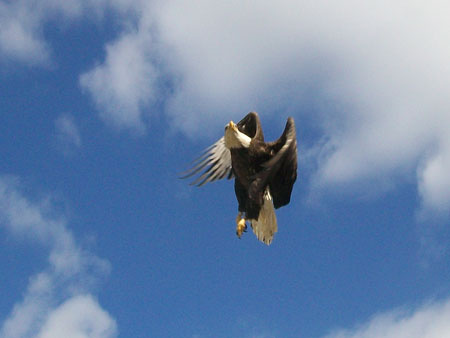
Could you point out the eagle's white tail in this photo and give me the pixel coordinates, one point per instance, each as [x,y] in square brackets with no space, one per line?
[266,225]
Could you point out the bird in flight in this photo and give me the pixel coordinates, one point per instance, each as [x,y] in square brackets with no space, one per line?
[264,172]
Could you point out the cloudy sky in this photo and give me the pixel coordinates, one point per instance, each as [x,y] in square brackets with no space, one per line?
[104,103]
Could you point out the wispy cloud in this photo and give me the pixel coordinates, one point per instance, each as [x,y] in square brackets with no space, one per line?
[63,290]
[433,178]
[20,33]
[22,37]
[80,316]
[430,320]
[124,85]
[67,133]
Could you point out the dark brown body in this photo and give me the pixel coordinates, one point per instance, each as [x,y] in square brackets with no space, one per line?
[247,169]
[263,165]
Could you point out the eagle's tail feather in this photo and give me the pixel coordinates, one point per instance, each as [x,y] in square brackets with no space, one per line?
[266,225]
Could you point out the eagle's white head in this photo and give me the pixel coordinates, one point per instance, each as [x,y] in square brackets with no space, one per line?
[234,138]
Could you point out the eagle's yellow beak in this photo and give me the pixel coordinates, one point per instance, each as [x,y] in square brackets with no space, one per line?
[232,125]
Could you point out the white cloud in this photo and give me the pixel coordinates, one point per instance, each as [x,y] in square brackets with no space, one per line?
[22,36]
[71,274]
[124,84]
[431,321]
[20,33]
[26,316]
[79,317]
[434,180]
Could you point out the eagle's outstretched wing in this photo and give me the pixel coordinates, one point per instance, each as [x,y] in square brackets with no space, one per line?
[216,163]
[282,167]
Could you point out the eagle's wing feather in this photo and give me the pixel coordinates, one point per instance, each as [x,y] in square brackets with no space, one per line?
[282,167]
[216,163]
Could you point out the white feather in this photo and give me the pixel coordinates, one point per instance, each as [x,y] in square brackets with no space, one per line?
[266,225]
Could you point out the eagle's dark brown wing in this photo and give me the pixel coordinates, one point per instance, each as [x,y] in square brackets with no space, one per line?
[250,125]
[282,167]
[216,163]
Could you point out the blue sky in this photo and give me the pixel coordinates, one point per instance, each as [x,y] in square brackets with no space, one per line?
[104,103]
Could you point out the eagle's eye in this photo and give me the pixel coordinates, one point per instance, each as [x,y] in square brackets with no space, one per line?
[226,127]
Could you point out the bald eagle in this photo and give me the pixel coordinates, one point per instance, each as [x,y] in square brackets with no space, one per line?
[264,173]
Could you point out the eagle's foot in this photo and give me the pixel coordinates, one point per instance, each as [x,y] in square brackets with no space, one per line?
[241,227]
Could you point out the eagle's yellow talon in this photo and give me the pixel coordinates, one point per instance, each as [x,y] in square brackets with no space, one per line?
[241,227]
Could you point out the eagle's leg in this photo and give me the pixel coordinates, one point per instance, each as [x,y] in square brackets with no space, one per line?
[241,226]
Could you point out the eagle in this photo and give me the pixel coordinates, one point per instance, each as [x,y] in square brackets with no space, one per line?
[264,172]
